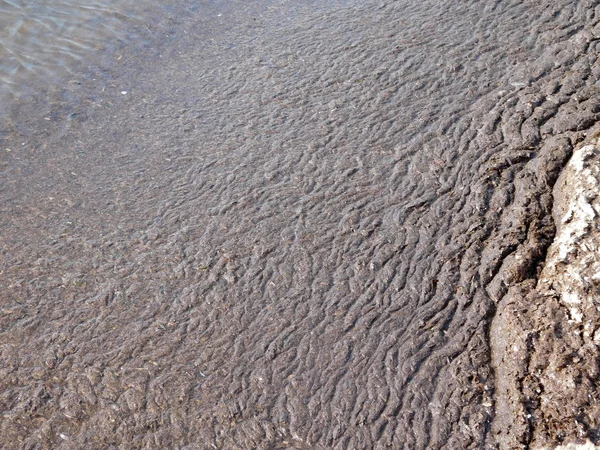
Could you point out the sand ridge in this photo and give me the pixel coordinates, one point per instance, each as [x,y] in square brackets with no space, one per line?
[323,230]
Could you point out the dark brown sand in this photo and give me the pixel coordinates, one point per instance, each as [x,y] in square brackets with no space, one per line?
[317,229]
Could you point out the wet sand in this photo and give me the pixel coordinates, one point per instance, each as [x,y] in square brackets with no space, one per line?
[319,229]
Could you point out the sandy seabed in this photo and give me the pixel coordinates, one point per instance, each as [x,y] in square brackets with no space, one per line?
[341,227]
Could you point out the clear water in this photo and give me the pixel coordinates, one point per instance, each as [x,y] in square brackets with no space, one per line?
[40,40]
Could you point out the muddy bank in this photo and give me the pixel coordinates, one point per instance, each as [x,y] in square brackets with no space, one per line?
[545,337]
[308,239]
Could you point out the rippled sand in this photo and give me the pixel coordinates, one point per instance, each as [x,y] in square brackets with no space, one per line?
[302,227]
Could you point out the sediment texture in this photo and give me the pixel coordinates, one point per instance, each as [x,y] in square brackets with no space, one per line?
[547,335]
[308,234]
[586,446]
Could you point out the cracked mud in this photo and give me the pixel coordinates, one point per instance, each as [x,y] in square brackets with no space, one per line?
[328,229]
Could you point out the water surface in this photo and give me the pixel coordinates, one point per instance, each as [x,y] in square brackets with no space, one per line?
[40,40]
[298,230]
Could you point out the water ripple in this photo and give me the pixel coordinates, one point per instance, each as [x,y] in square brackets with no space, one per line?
[42,38]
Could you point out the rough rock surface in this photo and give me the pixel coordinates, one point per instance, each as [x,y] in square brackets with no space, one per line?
[316,230]
[587,446]
[545,338]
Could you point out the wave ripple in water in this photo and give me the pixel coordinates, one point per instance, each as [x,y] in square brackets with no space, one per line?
[42,38]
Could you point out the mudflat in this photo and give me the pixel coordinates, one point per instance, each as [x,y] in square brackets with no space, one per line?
[313,227]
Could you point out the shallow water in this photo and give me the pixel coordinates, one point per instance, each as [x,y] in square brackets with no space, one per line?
[45,43]
[40,40]
[298,229]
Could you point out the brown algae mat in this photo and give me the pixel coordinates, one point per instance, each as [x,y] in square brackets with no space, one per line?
[350,227]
